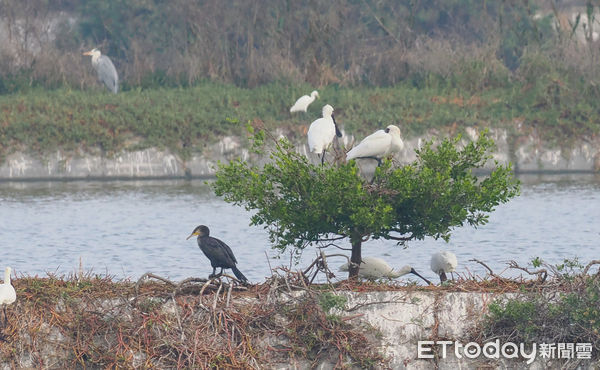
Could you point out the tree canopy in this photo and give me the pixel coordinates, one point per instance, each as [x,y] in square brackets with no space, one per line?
[301,203]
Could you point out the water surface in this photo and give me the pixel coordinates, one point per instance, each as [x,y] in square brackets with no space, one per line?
[127,228]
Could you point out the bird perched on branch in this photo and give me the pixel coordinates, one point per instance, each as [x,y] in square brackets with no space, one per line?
[373,268]
[219,253]
[322,132]
[7,292]
[107,73]
[443,263]
[301,105]
[378,145]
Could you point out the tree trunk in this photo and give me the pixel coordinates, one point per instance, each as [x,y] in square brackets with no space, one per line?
[356,257]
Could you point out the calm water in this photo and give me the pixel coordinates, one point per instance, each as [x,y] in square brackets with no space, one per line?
[127,228]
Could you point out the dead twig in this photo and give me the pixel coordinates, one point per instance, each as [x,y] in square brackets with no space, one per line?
[153,276]
[486,266]
[542,274]
[216,298]
[589,265]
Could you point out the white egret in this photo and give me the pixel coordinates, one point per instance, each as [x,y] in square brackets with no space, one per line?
[107,73]
[7,292]
[373,268]
[443,263]
[322,132]
[301,105]
[378,145]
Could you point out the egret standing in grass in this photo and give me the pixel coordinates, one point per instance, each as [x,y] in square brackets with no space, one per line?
[219,253]
[378,145]
[301,105]
[373,268]
[7,292]
[107,73]
[443,263]
[322,132]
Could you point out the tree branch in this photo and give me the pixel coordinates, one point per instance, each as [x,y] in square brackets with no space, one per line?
[541,273]
[587,268]
[333,245]
[401,238]
[486,266]
[331,239]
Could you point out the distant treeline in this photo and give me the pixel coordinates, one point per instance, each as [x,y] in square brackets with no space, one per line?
[469,43]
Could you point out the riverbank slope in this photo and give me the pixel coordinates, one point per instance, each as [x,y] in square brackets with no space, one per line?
[528,154]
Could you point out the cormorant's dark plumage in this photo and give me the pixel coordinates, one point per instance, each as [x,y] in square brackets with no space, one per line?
[219,253]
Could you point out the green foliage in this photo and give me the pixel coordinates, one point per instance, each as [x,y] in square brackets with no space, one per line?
[568,268]
[568,312]
[439,192]
[302,203]
[185,121]
[520,31]
[328,300]
[516,314]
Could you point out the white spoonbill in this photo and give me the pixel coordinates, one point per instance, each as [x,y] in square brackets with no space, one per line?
[107,73]
[373,268]
[7,292]
[322,131]
[443,263]
[378,145]
[301,105]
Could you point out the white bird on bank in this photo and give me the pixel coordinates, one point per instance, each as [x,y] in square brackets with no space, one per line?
[443,263]
[107,73]
[322,132]
[7,292]
[301,105]
[378,145]
[373,268]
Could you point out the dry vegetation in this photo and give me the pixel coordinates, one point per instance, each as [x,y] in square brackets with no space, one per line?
[249,43]
[92,321]
[87,321]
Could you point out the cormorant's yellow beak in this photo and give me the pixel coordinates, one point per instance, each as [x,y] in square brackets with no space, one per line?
[192,234]
[87,53]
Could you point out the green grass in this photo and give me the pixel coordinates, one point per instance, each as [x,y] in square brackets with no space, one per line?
[185,120]
[563,309]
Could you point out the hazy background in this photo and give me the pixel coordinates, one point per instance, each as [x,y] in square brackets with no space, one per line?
[250,42]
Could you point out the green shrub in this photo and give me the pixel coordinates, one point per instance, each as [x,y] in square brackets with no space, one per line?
[566,310]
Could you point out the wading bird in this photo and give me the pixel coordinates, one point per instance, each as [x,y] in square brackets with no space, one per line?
[373,268]
[219,253]
[378,145]
[443,263]
[7,292]
[107,73]
[322,132]
[301,105]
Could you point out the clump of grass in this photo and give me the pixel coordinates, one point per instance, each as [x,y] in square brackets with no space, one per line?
[564,308]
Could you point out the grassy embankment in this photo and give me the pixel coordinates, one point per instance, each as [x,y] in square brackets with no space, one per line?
[184,120]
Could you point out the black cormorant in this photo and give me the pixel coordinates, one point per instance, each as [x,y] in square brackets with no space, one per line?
[219,253]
